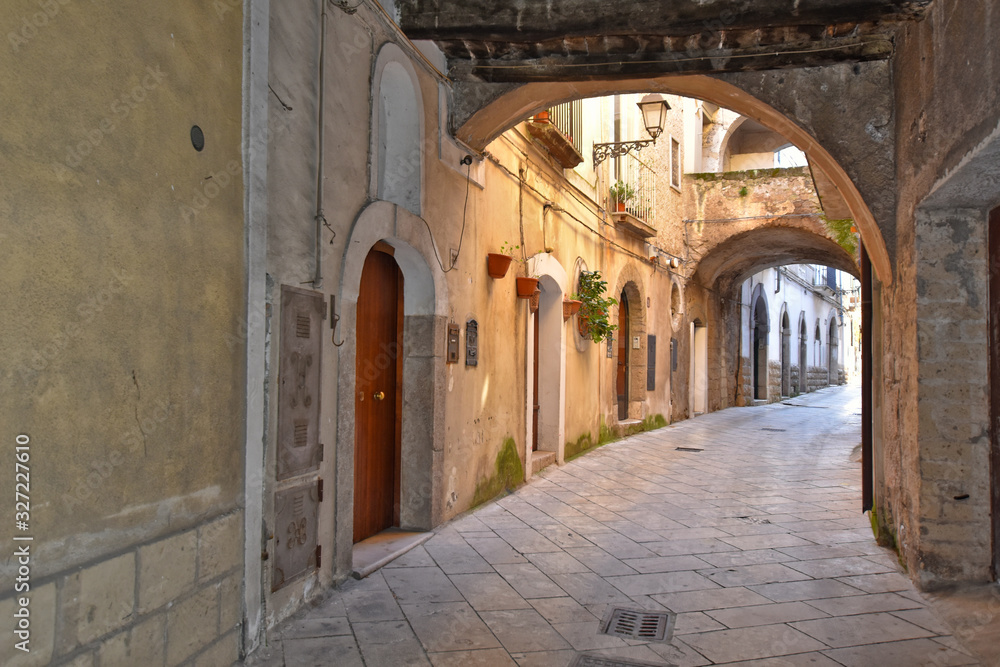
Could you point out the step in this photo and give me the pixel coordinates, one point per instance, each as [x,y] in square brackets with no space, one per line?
[540,460]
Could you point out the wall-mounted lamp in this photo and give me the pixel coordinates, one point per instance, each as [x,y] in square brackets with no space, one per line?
[654,110]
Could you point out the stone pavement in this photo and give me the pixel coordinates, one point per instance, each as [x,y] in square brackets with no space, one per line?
[756,543]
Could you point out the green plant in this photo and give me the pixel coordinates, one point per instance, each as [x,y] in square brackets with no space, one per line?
[622,192]
[842,234]
[509,474]
[508,249]
[744,192]
[594,315]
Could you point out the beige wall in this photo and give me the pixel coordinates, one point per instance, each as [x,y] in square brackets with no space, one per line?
[124,270]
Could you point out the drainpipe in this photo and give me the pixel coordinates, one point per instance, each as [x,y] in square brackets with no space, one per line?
[320,219]
[867,380]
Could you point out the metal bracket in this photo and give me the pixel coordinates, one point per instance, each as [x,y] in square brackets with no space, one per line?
[617,149]
[334,321]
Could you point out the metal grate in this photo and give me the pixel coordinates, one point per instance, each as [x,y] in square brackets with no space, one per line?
[600,661]
[301,438]
[654,626]
[774,430]
[688,449]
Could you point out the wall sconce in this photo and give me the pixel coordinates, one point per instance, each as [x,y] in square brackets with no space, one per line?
[654,110]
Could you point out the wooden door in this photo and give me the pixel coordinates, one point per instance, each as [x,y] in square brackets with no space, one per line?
[621,381]
[378,396]
[534,390]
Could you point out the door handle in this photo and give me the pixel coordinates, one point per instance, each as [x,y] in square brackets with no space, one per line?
[379,395]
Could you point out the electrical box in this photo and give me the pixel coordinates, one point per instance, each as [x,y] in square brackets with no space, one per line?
[635,343]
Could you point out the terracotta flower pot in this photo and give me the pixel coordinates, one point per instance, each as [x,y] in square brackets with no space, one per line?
[526,287]
[621,207]
[570,308]
[542,117]
[497,264]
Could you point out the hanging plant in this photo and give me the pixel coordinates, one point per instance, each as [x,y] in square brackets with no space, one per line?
[593,318]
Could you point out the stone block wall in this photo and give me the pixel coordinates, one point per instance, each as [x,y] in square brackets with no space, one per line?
[174,601]
[773,381]
[817,378]
[796,389]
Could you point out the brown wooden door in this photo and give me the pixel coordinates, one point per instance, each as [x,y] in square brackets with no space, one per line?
[378,395]
[621,381]
[994,300]
[534,391]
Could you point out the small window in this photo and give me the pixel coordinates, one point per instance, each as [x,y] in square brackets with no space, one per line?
[675,164]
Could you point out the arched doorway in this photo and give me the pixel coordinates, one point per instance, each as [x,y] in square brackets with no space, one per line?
[699,367]
[803,356]
[378,398]
[624,357]
[833,352]
[760,331]
[786,354]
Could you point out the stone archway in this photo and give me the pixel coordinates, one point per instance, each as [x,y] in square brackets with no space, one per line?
[759,347]
[631,284]
[424,321]
[833,351]
[803,382]
[786,353]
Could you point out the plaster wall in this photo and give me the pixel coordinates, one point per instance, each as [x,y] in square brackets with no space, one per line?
[124,267]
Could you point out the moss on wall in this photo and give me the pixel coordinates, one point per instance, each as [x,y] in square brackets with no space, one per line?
[606,434]
[509,474]
[842,233]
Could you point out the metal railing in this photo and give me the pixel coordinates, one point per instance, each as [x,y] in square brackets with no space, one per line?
[568,117]
[637,191]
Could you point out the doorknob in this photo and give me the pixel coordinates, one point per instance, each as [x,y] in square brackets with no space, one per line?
[379,395]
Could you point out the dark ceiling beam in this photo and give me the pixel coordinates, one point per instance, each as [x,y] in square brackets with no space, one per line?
[651,62]
[534,20]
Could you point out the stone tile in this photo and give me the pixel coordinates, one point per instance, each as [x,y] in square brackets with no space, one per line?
[557,563]
[495,657]
[914,652]
[192,625]
[527,540]
[308,627]
[529,581]
[97,601]
[369,600]
[223,653]
[42,610]
[879,583]
[316,652]
[844,631]
[776,540]
[523,630]
[389,643]
[925,619]
[685,547]
[666,564]
[167,570]
[665,582]
[415,557]
[421,584]
[562,610]
[600,561]
[586,636]
[679,654]
[718,598]
[695,621]
[457,558]
[840,567]
[589,588]
[691,534]
[544,659]
[797,660]
[738,558]
[864,604]
[495,550]
[620,546]
[143,644]
[770,614]
[449,626]
[220,546]
[751,575]
[814,589]
[752,643]
[488,592]
[822,551]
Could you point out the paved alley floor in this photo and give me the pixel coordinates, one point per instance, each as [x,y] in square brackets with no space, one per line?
[756,543]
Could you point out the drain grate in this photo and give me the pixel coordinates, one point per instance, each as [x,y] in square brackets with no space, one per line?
[653,626]
[774,430]
[753,519]
[688,449]
[601,661]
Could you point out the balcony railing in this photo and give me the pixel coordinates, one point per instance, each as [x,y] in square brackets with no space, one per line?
[640,182]
[568,117]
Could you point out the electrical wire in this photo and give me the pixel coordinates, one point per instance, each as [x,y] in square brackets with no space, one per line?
[461,238]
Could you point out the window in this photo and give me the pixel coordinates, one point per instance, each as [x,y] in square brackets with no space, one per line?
[675,164]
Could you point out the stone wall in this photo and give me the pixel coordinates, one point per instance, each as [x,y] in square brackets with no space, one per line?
[773,381]
[174,601]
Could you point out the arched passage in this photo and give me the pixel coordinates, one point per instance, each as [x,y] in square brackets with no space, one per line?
[803,355]
[786,354]
[759,347]
[424,294]
[630,355]
[504,110]
[833,351]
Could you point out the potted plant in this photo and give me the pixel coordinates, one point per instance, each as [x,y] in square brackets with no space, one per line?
[621,192]
[526,286]
[593,320]
[497,263]
[571,306]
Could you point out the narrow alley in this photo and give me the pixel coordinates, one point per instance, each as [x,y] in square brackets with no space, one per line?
[745,523]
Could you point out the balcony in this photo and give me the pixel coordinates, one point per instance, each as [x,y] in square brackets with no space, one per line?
[631,199]
[561,133]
